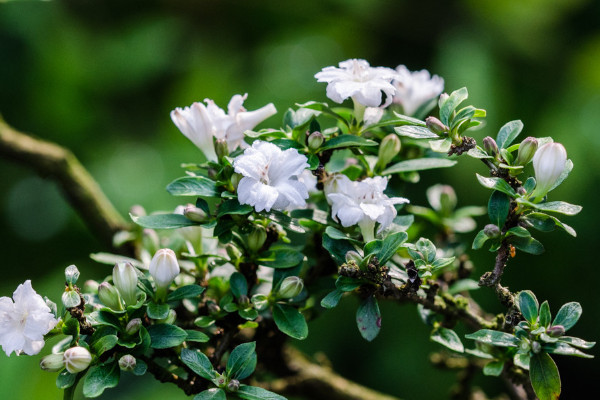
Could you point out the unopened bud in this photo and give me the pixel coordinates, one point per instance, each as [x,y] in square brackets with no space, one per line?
[235,180]
[70,298]
[233,385]
[524,346]
[109,296]
[71,274]
[244,300]
[221,148]
[164,268]
[133,326]
[257,238]
[90,286]
[52,362]
[536,347]
[492,231]
[137,211]
[315,140]
[127,362]
[213,308]
[556,331]
[125,279]
[435,125]
[194,213]
[490,146]
[549,163]
[290,287]
[443,98]
[260,301]
[526,151]
[388,149]
[353,256]
[233,252]
[77,359]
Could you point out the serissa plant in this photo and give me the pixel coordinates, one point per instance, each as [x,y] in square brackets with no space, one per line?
[278,225]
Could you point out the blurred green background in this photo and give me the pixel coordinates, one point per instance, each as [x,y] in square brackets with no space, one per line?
[100,77]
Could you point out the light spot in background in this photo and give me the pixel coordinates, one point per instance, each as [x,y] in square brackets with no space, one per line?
[36,210]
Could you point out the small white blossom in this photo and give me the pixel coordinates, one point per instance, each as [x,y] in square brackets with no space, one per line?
[270,177]
[363,203]
[357,79]
[24,321]
[413,89]
[200,123]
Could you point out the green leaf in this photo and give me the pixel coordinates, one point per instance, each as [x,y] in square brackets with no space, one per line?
[427,249]
[508,133]
[242,361]
[440,146]
[497,184]
[233,206]
[560,207]
[478,152]
[565,350]
[101,377]
[346,141]
[249,314]
[390,246]
[290,321]
[527,244]
[196,336]
[409,120]
[198,362]
[418,164]
[541,222]
[256,393]
[332,299]
[163,221]
[337,248]
[493,368]
[281,258]
[211,394]
[566,171]
[498,207]
[448,338]
[193,186]
[415,132]
[568,315]
[185,292]
[544,377]
[339,235]
[368,318]
[105,343]
[545,315]
[518,231]
[528,305]
[238,284]
[577,342]
[496,338]
[479,240]
[448,107]
[346,283]
[164,336]
[104,318]
[522,360]
[65,379]
[158,311]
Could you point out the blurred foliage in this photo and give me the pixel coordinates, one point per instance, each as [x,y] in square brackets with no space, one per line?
[101,77]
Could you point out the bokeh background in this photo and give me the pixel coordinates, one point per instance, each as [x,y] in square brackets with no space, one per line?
[100,77]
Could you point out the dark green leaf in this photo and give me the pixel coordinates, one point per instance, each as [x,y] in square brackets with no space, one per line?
[409,120]
[390,246]
[496,338]
[565,350]
[508,133]
[497,184]
[290,321]
[560,207]
[163,221]
[332,299]
[478,152]
[105,343]
[527,244]
[158,311]
[232,206]
[283,220]
[419,164]
[281,258]
[105,318]
[101,377]
[545,315]
[577,342]
[338,235]
[346,141]
[140,368]
[479,240]
[346,283]
[257,393]
[164,336]
[498,207]
[544,377]
[415,132]
[249,314]
[65,379]
[238,284]
[448,338]
[448,107]
[493,368]
[568,315]
[564,175]
[541,222]
[337,248]
[193,186]
[196,336]
[185,292]
[528,305]
[211,394]
[368,318]
[198,362]
[242,361]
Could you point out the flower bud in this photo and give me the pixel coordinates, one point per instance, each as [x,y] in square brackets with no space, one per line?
[549,163]
[133,326]
[77,359]
[260,301]
[244,301]
[536,347]
[90,286]
[125,279]
[388,149]
[556,331]
[315,140]
[137,211]
[233,252]
[435,125]
[526,151]
[52,362]
[70,298]
[490,146]
[290,287]
[164,268]
[492,231]
[109,296]
[194,213]
[257,238]
[71,274]
[221,148]
[213,308]
[233,385]
[353,256]
[443,98]
[235,180]
[127,362]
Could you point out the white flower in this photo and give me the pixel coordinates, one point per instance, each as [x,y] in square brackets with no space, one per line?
[548,163]
[413,89]
[357,79]
[309,180]
[372,116]
[164,268]
[200,123]
[363,203]
[24,321]
[271,177]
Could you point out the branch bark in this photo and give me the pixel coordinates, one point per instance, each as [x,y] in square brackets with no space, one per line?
[52,161]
